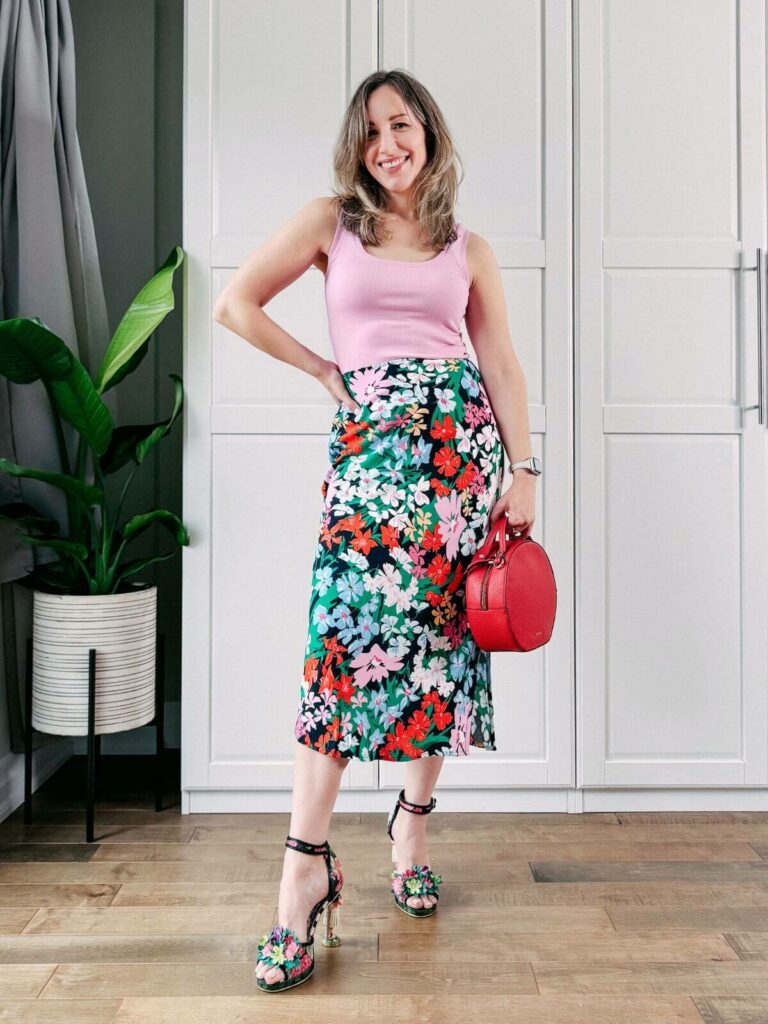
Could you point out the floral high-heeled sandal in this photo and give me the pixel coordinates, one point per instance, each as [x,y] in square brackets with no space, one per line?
[418,879]
[282,947]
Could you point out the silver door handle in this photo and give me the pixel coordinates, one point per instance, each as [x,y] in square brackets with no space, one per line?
[762,355]
[762,415]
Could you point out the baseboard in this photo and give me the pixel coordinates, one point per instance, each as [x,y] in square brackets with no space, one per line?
[46,760]
[559,800]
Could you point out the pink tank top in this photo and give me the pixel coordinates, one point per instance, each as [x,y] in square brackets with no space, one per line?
[380,309]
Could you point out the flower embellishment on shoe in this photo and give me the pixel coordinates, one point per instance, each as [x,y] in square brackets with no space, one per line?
[281,948]
[417,880]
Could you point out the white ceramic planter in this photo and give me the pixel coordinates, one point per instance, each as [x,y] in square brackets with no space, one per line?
[122,628]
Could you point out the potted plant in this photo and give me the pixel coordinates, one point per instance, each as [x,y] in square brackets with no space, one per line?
[88,597]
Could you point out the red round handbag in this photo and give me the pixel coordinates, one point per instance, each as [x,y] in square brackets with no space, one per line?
[510,592]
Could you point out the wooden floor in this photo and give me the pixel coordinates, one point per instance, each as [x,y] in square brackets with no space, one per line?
[554,919]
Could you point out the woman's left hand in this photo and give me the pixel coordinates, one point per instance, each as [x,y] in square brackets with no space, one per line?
[517,502]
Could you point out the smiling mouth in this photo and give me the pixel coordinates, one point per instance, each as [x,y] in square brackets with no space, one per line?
[393,167]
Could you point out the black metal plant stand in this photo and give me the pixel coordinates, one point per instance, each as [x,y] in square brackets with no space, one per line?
[94,742]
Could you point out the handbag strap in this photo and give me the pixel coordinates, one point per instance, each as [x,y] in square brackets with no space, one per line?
[494,547]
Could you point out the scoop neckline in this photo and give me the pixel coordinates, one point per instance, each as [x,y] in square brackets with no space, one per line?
[402,263]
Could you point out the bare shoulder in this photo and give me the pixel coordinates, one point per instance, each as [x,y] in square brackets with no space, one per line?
[481,259]
[321,218]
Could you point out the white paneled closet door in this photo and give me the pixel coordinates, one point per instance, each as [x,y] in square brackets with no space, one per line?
[501,73]
[672,509]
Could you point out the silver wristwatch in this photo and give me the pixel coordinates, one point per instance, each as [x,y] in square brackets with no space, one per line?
[533,465]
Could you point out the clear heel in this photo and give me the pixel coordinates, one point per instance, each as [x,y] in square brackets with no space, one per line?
[331,922]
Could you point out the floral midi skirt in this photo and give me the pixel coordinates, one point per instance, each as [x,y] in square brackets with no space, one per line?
[391,669]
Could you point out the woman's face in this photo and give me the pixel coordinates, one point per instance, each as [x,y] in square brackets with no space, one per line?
[394,134]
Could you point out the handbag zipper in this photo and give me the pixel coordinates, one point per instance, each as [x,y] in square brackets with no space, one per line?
[484,587]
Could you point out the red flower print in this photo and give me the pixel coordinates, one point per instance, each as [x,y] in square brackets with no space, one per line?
[420,724]
[434,597]
[444,430]
[334,650]
[447,461]
[432,539]
[466,476]
[310,666]
[441,716]
[351,437]
[364,542]
[352,524]
[327,681]
[345,689]
[439,569]
[329,537]
[390,536]
[440,488]
[402,740]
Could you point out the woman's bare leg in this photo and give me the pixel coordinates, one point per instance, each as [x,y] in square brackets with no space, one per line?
[409,829]
[316,780]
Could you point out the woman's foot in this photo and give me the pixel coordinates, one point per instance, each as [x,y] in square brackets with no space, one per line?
[409,832]
[304,883]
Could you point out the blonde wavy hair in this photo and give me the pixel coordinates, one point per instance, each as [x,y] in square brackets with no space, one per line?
[360,200]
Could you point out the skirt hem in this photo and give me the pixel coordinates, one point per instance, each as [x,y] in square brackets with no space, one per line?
[335,753]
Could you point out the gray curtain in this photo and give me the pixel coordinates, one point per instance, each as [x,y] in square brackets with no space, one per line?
[49,269]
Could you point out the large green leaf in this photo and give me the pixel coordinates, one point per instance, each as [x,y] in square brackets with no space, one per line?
[133,442]
[80,490]
[172,523]
[80,404]
[151,305]
[162,428]
[30,351]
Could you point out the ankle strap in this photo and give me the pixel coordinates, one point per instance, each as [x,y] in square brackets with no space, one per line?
[302,847]
[416,808]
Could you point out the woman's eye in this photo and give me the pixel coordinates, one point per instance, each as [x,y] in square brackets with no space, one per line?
[398,124]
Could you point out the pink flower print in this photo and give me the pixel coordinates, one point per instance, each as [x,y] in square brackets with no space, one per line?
[418,557]
[473,414]
[452,522]
[373,665]
[369,383]
[400,420]
[460,734]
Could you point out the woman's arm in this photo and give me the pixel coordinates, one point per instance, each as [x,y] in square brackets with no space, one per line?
[278,262]
[488,329]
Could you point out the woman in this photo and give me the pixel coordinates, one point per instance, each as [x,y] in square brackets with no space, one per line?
[391,671]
